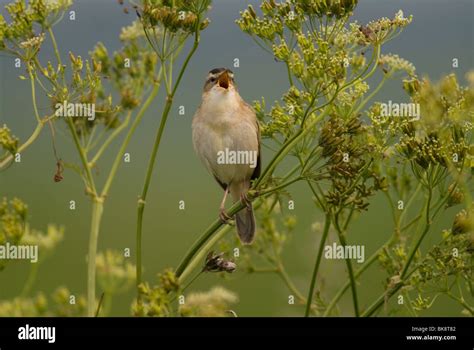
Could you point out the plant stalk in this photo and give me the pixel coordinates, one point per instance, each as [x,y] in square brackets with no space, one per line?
[190,257]
[97,209]
[327,224]
[151,162]
[404,274]
[350,271]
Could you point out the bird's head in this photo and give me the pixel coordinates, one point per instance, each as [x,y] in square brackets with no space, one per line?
[220,80]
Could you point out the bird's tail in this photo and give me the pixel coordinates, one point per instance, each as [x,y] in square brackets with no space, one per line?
[244,219]
[245,222]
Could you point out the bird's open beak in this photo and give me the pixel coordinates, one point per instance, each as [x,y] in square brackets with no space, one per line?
[224,80]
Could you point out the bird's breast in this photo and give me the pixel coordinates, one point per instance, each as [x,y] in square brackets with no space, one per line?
[226,141]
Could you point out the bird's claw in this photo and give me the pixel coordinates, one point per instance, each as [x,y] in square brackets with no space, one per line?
[225,218]
[244,199]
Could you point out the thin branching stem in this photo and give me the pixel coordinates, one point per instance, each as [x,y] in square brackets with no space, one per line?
[109,140]
[350,271]
[129,135]
[152,159]
[327,225]
[189,261]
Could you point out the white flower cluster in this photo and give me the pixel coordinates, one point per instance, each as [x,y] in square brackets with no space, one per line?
[32,42]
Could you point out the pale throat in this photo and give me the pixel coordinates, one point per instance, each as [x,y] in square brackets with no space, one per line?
[221,101]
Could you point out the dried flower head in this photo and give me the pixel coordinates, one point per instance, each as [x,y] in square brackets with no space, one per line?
[216,263]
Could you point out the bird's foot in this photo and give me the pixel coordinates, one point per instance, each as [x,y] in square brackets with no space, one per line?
[225,218]
[244,199]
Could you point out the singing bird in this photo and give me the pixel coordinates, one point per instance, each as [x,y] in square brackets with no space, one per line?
[225,124]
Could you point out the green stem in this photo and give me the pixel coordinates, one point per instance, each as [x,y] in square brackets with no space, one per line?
[327,224]
[422,236]
[55,45]
[320,200]
[31,280]
[56,52]
[410,201]
[97,209]
[279,187]
[404,274]
[33,94]
[216,225]
[413,221]
[109,140]
[151,162]
[409,305]
[199,258]
[368,98]
[342,240]
[182,290]
[83,156]
[189,261]
[97,205]
[281,271]
[99,306]
[283,152]
[128,137]
[462,302]
[40,83]
[369,261]
[42,70]
[288,70]
[381,299]
[365,266]
[190,282]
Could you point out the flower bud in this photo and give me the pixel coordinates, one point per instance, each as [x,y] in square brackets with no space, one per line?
[463,223]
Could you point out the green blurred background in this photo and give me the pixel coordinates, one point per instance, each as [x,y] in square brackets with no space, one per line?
[441,31]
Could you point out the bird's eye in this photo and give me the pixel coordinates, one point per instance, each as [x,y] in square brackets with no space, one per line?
[212,80]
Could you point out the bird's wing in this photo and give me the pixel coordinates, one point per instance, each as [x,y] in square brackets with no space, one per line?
[223,185]
[258,168]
